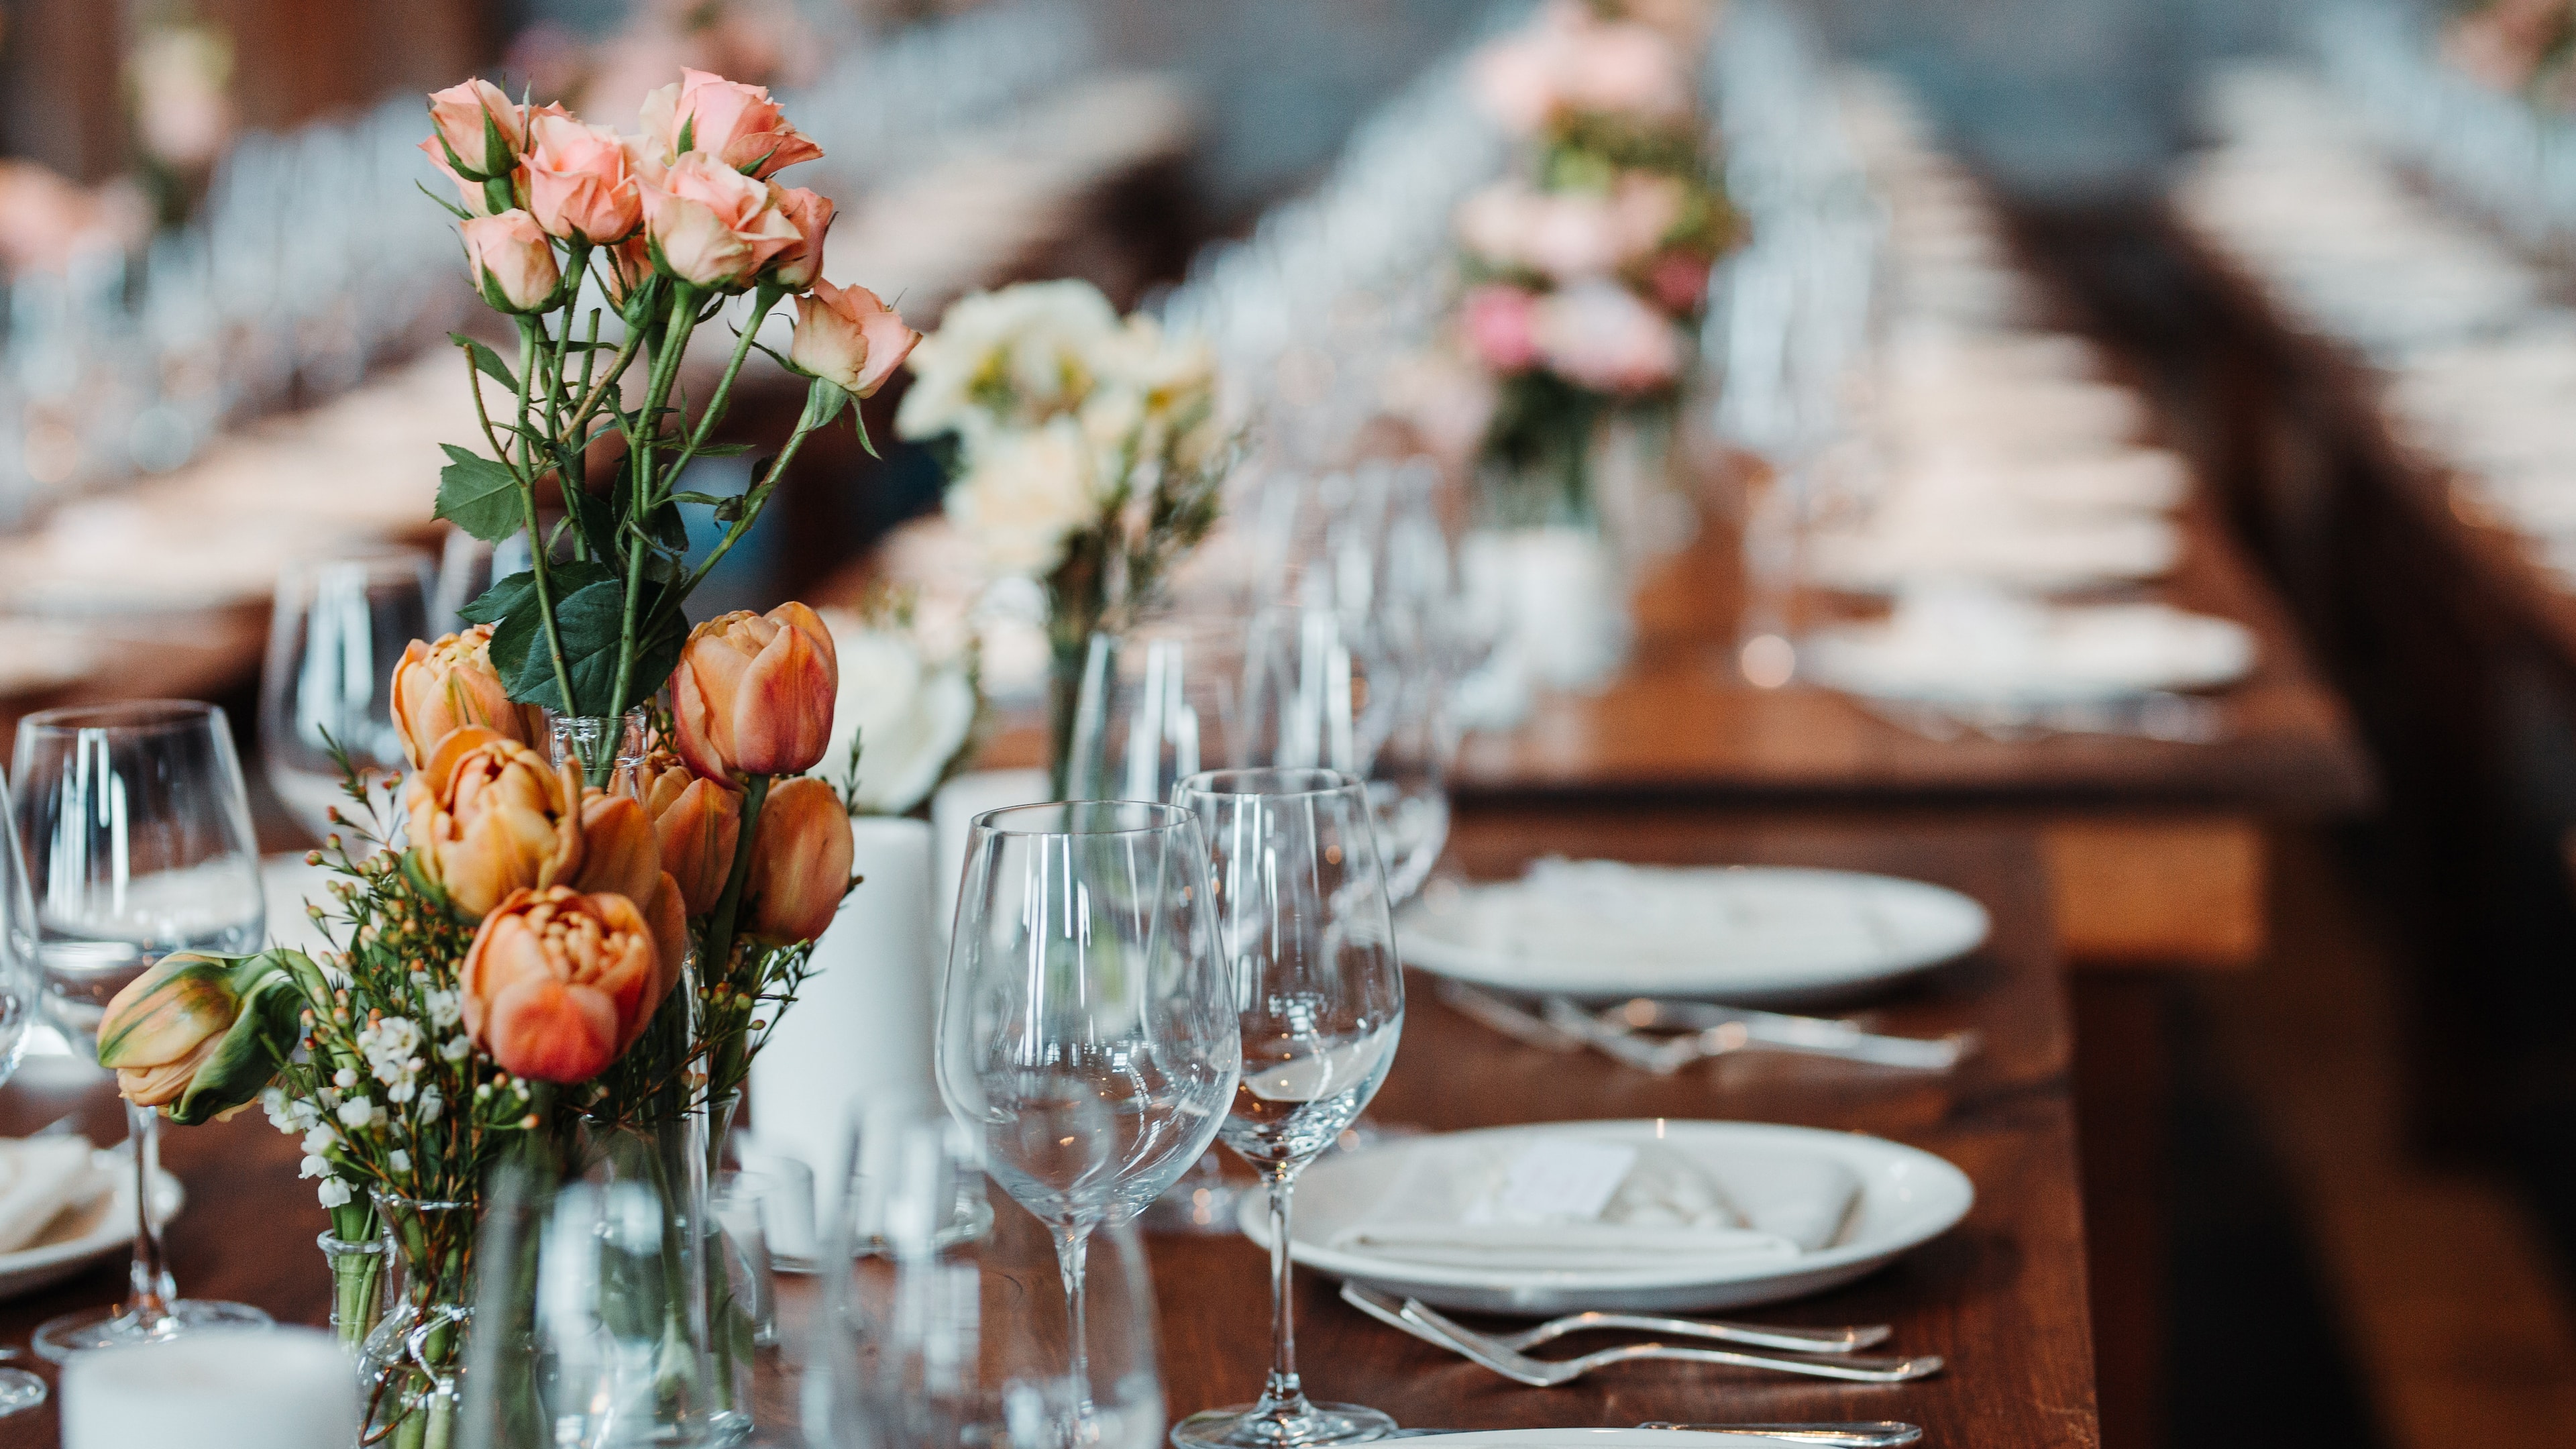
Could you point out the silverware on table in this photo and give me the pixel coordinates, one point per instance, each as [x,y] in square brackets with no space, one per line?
[2159,715]
[1411,1316]
[1628,1033]
[1506,1016]
[1796,1340]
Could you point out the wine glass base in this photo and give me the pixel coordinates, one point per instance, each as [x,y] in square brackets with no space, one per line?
[19,1390]
[73,1334]
[1259,1426]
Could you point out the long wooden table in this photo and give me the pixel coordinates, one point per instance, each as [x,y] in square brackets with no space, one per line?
[2002,1296]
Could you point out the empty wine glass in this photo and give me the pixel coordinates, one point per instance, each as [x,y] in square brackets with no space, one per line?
[19,1389]
[138,843]
[339,627]
[1302,907]
[1087,1035]
[928,1338]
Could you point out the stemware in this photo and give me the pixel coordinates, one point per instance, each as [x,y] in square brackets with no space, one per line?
[338,628]
[1087,1033]
[933,1337]
[138,843]
[19,1389]
[1302,908]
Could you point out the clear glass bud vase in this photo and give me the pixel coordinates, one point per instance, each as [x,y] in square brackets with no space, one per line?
[411,1365]
[693,1394]
[362,1291]
[607,749]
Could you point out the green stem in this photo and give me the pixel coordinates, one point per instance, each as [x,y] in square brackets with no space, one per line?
[724,1058]
[677,325]
[753,503]
[542,575]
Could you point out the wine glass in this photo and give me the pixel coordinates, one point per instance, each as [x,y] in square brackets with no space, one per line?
[138,843]
[928,1338]
[1087,1036]
[1302,907]
[19,1389]
[339,627]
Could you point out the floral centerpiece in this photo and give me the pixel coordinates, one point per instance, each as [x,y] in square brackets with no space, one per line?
[1585,273]
[1084,451]
[615,865]
[2525,47]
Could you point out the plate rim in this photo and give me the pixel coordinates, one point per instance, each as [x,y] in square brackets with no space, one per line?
[1251,1217]
[170,1196]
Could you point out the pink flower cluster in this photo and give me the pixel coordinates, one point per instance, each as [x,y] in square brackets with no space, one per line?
[1595,334]
[1572,62]
[688,198]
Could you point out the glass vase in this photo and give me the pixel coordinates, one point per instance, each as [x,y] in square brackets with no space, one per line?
[410,1365]
[733,1313]
[695,1400]
[607,749]
[361,1290]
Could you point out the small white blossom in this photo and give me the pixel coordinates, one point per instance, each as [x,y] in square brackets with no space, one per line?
[402,1091]
[345,1078]
[398,1160]
[389,1043]
[446,1008]
[455,1047]
[430,1106]
[313,1167]
[333,1192]
[320,1139]
[357,1112]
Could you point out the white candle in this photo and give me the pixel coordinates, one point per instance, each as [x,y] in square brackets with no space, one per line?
[280,1388]
[952,817]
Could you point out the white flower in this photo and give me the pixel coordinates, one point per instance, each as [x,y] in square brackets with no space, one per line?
[345,1078]
[446,1008]
[320,1139]
[389,1044]
[909,716]
[430,1105]
[313,1167]
[455,1047]
[1007,360]
[357,1112]
[1024,494]
[1600,336]
[398,1160]
[402,1091]
[333,1192]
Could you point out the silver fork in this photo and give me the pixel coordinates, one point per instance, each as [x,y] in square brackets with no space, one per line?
[1796,1340]
[1412,1317]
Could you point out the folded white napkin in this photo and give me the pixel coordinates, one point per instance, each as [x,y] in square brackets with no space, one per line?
[1524,1206]
[40,1178]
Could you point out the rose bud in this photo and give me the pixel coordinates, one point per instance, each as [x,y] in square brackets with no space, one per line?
[558,983]
[618,852]
[713,227]
[629,266]
[800,862]
[448,685]
[580,184]
[753,693]
[735,125]
[849,338]
[697,822]
[514,264]
[811,213]
[489,816]
[199,1035]
[477,139]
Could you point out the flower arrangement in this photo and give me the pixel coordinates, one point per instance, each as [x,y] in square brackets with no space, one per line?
[1084,451]
[588,932]
[1585,275]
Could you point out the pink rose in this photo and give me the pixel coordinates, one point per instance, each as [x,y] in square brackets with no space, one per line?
[1679,281]
[580,185]
[713,226]
[470,117]
[1628,69]
[1600,336]
[848,337]
[738,125]
[811,213]
[1499,324]
[514,264]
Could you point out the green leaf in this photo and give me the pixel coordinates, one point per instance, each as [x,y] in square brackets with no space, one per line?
[586,623]
[724,450]
[519,644]
[659,655]
[507,596]
[450,207]
[478,495]
[487,362]
[597,517]
[666,526]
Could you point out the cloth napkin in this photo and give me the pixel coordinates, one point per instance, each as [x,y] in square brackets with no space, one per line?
[41,1178]
[1456,1205]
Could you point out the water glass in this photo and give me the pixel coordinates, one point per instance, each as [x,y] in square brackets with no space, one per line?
[1302,908]
[138,843]
[19,1389]
[326,690]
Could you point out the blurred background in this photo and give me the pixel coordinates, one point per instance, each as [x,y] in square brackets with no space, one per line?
[2326,240]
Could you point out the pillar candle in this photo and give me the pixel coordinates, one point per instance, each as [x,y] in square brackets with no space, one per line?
[278,1388]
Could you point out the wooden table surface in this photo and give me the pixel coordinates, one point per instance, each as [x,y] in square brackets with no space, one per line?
[2002,1295]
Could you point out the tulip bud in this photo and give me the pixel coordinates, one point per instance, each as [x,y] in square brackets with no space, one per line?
[697,822]
[197,1035]
[849,338]
[557,983]
[800,862]
[489,816]
[753,693]
[442,687]
[513,261]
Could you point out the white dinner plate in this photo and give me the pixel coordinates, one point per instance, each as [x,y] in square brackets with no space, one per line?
[104,1229]
[2066,655]
[1907,1197]
[2037,554]
[1745,935]
[1579,1439]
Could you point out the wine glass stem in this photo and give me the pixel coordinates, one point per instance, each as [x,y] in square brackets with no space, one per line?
[1284,1394]
[1072,1246]
[152,1288]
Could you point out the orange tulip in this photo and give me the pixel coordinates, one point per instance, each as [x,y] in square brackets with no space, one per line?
[442,687]
[618,852]
[558,983]
[696,821]
[800,862]
[753,693]
[488,816]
